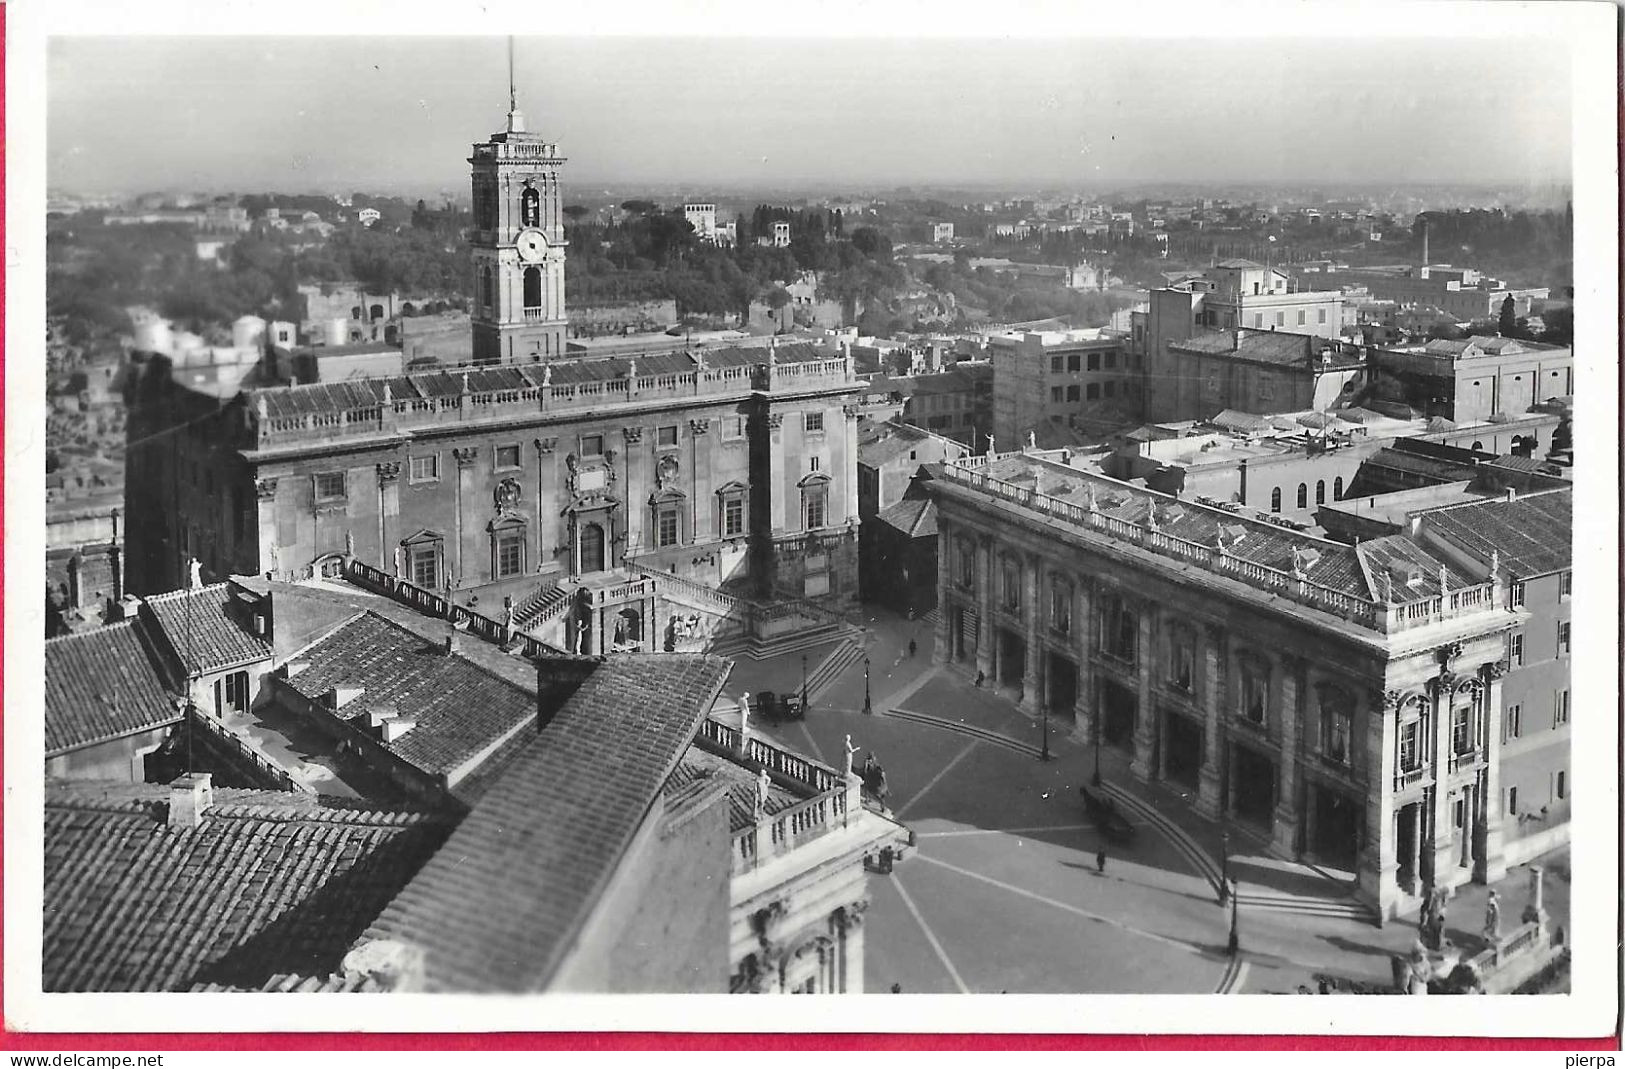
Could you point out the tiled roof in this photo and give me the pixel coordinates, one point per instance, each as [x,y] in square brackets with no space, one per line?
[105,683]
[702,765]
[916,517]
[1534,535]
[888,441]
[206,629]
[265,884]
[458,707]
[1259,346]
[1399,570]
[497,908]
[1236,263]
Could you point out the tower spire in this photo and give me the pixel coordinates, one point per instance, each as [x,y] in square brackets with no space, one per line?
[516,118]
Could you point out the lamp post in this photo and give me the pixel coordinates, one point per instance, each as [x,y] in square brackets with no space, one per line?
[1235,917]
[803,684]
[1096,781]
[1044,754]
[1224,866]
[868,705]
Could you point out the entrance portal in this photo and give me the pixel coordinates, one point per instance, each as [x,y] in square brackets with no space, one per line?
[592,548]
[1012,658]
[1063,685]
[1183,738]
[1252,786]
[1335,838]
[1117,705]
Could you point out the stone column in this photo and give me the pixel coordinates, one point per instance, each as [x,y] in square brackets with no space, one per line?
[389,506]
[984,607]
[849,462]
[547,531]
[1208,802]
[1032,681]
[1491,865]
[1145,715]
[265,507]
[465,477]
[1083,628]
[1415,810]
[851,923]
[1286,802]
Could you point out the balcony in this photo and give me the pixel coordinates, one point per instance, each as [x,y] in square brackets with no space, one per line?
[1406,778]
[1463,760]
[534,315]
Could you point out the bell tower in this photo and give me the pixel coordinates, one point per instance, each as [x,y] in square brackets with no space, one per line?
[517,244]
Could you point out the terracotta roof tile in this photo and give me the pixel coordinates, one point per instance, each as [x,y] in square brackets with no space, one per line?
[459,708]
[106,683]
[496,909]
[265,884]
[1534,535]
[207,629]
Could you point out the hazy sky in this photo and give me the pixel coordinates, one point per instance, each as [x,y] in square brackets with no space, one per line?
[287,113]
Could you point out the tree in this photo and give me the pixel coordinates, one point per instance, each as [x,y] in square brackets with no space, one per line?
[638,207]
[777,298]
[1509,318]
[575,212]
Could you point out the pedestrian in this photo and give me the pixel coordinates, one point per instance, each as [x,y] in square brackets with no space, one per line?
[979,677]
[911,647]
[897,989]
[1100,862]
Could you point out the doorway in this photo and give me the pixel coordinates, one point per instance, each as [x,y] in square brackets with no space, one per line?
[591,548]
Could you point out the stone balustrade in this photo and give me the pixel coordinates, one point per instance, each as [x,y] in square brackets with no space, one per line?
[1369,613]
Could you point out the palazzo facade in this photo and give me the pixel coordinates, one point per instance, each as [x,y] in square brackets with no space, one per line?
[1345,701]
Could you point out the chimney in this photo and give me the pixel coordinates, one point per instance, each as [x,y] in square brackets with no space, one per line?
[190,796]
[1512,493]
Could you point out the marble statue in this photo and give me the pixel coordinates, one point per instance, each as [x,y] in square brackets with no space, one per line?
[744,715]
[850,750]
[1492,919]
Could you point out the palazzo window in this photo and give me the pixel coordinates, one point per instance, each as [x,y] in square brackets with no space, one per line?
[666,437]
[1255,690]
[1410,745]
[666,526]
[967,564]
[1303,495]
[1010,583]
[733,516]
[1336,724]
[1512,723]
[1119,629]
[1275,499]
[507,456]
[423,563]
[1320,492]
[330,486]
[508,553]
[733,428]
[816,507]
[1181,658]
[813,422]
[424,469]
[592,445]
[1060,608]
[1563,639]
[1461,729]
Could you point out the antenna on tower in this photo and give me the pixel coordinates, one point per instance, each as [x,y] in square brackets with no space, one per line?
[516,120]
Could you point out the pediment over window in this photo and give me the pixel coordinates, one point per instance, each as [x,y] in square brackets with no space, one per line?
[734,487]
[671,493]
[506,523]
[423,538]
[816,478]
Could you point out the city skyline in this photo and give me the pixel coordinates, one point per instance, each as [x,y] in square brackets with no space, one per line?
[134,113]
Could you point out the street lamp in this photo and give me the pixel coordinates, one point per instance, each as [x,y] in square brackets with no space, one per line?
[803,684]
[1044,756]
[1235,916]
[1224,870]
[1097,745]
[868,704]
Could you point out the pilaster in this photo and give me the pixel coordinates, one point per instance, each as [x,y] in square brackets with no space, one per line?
[1440,858]
[1208,802]
[1032,680]
[1378,868]
[548,531]
[265,514]
[984,606]
[389,506]
[947,550]
[1291,702]
[465,477]
[1083,625]
[777,490]
[1491,864]
[1145,719]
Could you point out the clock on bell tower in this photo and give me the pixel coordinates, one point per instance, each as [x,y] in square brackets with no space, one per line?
[517,245]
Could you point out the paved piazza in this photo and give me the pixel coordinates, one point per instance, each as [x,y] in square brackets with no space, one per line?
[1002,892]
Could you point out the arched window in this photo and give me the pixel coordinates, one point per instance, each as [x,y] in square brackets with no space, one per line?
[1478,445]
[533,287]
[376,312]
[530,207]
[1275,499]
[1303,495]
[1337,488]
[487,288]
[1320,492]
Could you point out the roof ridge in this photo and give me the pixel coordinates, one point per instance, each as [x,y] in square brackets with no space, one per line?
[99,630]
[297,809]
[171,595]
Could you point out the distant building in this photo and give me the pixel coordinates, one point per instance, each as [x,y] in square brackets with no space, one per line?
[1475,378]
[898,560]
[703,218]
[368,216]
[942,233]
[1047,377]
